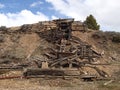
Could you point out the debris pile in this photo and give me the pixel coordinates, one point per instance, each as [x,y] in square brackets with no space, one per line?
[67,54]
[63,54]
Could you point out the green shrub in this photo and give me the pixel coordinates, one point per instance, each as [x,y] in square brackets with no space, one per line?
[91,23]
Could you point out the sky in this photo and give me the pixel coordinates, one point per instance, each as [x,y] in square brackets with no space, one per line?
[19,12]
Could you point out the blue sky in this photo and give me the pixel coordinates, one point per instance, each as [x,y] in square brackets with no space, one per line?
[18,12]
[13,6]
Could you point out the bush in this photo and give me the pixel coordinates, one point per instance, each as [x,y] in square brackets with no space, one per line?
[112,36]
[2,38]
[25,28]
[99,35]
[116,39]
[3,28]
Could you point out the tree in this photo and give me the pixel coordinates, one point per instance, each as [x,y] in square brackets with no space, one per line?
[91,23]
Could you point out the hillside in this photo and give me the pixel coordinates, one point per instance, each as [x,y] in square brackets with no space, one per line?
[24,44]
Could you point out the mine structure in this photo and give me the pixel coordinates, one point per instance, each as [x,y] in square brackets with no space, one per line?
[66,56]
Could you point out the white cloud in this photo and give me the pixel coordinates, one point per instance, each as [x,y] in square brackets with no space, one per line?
[54,17]
[2,5]
[23,17]
[105,11]
[34,4]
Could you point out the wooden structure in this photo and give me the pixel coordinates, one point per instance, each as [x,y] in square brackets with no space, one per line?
[68,52]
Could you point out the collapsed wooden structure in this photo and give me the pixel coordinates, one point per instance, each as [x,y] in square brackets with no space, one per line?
[67,55]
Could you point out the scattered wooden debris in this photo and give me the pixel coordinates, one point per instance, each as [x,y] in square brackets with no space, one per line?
[108,82]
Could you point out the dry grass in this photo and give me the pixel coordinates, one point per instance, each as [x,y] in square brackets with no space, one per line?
[42,84]
[112,86]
